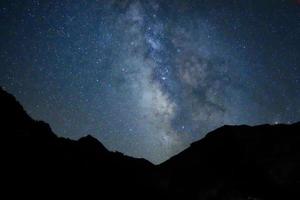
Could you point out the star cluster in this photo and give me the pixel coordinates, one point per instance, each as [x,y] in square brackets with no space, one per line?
[148,77]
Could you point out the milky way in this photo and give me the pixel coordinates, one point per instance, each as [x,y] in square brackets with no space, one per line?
[147,78]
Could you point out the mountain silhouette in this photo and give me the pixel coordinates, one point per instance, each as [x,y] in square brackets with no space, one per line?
[238,162]
[37,162]
[232,162]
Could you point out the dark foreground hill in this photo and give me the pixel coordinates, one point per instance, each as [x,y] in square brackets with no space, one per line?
[238,162]
[232,162]
[36,162]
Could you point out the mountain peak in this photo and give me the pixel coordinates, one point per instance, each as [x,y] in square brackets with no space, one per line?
[92,142]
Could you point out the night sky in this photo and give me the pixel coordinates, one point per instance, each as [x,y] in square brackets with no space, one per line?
[149,77]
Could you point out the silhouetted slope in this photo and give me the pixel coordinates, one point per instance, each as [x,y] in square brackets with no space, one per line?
[238,162]
[34,161]
[232,162]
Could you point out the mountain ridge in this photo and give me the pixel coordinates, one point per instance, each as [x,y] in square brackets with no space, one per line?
[231,162]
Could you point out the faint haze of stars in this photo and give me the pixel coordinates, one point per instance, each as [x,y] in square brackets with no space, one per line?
[147,78]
